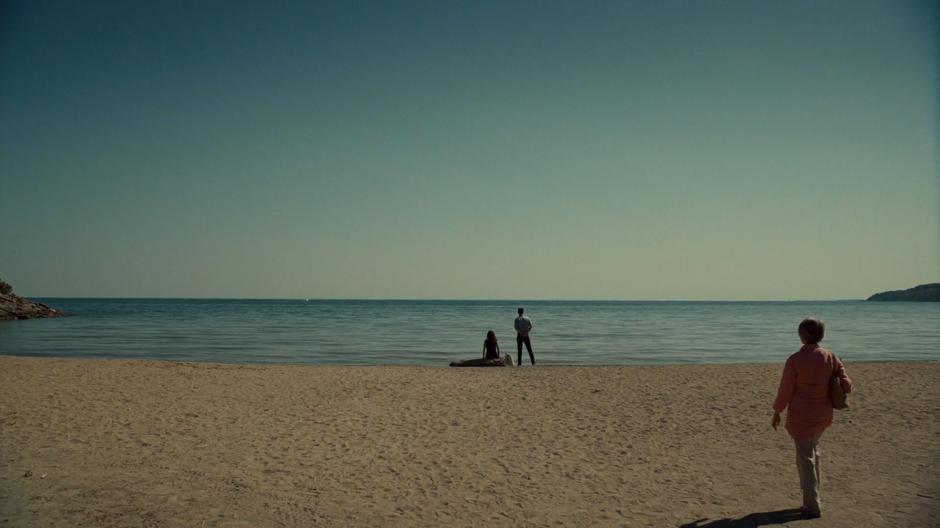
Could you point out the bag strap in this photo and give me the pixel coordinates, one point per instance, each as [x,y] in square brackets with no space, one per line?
[835,364]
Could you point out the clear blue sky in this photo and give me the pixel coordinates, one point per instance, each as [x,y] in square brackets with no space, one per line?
[501,150]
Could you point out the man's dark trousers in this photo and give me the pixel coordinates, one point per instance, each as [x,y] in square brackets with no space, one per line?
[520,339]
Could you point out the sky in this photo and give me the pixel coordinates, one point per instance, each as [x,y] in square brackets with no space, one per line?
[724,150]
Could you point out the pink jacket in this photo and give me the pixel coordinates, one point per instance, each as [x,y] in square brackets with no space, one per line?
[804,387]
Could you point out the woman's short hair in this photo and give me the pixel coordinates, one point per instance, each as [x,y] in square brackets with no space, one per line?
[812,329]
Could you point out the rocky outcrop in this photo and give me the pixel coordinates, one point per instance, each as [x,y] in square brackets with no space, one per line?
[15,307]
[923,293]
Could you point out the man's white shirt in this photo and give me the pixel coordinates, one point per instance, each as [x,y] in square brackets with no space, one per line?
[523,324]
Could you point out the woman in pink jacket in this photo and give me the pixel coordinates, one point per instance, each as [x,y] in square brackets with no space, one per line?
[804,388]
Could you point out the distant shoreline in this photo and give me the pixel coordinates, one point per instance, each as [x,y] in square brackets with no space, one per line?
[542,365]
[499,301]
[922,293]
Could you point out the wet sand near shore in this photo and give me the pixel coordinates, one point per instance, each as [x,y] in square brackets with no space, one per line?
[147,443]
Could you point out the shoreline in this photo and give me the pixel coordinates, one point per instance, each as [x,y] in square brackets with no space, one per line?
[129,442]
[541,364]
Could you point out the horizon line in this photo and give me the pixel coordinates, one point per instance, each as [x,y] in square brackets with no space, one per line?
[429,299]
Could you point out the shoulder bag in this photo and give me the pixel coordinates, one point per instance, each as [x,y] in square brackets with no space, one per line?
[835,389]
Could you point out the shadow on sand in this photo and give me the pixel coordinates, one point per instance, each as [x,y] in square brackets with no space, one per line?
[751,520]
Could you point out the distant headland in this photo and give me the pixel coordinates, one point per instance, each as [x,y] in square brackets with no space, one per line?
[922,293]
[13,306]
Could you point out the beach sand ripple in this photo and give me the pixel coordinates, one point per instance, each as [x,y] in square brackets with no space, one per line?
[146,443]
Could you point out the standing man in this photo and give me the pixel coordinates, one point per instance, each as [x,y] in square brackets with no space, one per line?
[523,327]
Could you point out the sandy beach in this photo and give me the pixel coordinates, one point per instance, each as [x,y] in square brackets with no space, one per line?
[145,443]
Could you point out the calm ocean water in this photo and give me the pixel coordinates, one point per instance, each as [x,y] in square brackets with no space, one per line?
[436,332]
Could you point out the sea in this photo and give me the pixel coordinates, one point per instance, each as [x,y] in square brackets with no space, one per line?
[433,333]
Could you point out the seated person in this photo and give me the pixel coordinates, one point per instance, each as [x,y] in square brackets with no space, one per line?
[490,355]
